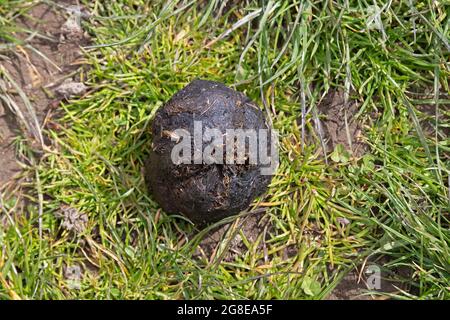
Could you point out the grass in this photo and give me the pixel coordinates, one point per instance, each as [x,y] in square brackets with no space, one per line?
[392,58]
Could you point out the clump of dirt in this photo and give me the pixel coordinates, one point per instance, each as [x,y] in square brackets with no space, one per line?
[205,192]
[339,125]
[37,66]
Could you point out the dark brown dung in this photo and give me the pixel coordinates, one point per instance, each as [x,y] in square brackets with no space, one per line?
[205,193]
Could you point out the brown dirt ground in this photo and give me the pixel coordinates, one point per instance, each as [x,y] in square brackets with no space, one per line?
[427,116]
[36,76]
[339,125]
[252,226]
[354,285]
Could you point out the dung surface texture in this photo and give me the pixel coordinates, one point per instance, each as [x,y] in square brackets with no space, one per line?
[205,192]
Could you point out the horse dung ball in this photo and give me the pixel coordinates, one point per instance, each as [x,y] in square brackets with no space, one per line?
[211,155]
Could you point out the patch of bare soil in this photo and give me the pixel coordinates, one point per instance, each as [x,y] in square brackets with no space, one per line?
[34,71]
[339,124]
[252,226]
[428,114]
[371,278]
